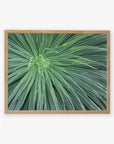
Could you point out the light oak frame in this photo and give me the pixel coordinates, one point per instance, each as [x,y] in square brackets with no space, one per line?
[61,111]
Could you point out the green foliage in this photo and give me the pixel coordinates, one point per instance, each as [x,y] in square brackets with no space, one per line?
[57,71]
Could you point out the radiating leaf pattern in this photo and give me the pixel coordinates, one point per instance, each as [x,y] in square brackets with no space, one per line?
[57,71]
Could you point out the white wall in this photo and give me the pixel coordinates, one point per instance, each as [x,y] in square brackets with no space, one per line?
[56,129]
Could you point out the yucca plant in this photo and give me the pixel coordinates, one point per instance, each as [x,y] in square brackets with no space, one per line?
[57,71]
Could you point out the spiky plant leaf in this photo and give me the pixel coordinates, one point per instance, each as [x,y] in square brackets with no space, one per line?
[57,71]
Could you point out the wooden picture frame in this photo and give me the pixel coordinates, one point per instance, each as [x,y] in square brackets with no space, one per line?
[107,32]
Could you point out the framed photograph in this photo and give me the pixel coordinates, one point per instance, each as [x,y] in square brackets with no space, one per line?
[57,71]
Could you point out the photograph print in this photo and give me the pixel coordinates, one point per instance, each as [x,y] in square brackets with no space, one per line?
[56,71]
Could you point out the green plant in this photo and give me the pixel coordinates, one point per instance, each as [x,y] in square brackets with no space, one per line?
[57,71]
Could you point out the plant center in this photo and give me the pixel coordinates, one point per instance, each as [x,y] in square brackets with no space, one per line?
[39,63]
